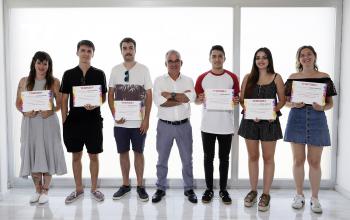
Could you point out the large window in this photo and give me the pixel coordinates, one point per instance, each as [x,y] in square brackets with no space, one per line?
[283,31]
[191,31]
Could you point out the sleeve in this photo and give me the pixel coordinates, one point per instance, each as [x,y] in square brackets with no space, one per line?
[66,86]
[331,91]
[157,97]
[103,82]
[288,87]
[236,88]
[192,94]
[148,81]
[198,87]
[111,82]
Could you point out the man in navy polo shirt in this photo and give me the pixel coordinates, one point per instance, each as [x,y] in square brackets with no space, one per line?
[83,125]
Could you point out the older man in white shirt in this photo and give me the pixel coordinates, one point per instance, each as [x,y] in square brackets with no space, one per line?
[173,93]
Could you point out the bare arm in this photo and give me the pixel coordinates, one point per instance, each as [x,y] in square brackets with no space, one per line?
[20,88]
[243,86]
[148,106]
[64,106]
[111,100]
[57,95]
[280,92]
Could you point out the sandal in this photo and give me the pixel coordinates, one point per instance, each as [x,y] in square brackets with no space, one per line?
[264,202]
[250,198]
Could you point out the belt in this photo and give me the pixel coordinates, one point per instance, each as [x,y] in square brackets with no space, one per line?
[175,122]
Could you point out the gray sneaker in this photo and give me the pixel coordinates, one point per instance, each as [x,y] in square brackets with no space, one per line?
[123,190]
[97,195]
[74,196]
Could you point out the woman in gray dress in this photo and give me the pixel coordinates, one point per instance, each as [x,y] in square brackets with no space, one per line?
[41,146]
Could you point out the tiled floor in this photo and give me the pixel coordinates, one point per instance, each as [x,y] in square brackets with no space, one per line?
[175,206]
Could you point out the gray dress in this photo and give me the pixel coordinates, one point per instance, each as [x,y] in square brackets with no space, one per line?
[41,146]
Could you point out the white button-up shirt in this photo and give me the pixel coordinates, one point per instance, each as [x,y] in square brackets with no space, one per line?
[165,83]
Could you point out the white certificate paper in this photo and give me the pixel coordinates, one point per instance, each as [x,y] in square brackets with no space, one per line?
[129,110]
[87,95]
[218,99]
[36,100]
[261,109]
[309,92]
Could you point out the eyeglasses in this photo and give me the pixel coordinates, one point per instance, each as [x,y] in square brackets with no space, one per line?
[126,79]
[177,61]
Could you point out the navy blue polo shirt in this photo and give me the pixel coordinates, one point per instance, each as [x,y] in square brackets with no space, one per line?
[75,77]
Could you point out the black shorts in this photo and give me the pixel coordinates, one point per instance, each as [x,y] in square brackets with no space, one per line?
[78,131]
[123,136]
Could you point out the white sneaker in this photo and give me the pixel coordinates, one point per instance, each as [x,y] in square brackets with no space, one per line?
[43,198]
[315,205]
[298,201]
[34,198]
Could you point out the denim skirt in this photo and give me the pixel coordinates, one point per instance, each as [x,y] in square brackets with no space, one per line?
[307,126]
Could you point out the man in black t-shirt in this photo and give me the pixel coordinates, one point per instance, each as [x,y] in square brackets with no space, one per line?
[83,125]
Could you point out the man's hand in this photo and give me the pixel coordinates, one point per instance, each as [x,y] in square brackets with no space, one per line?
[235,100]
[166,95]
[201,97]
[144,127]
[120,121]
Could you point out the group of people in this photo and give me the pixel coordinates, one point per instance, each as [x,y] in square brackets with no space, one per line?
[42,151]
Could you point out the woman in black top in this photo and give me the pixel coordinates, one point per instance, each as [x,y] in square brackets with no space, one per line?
[261,83]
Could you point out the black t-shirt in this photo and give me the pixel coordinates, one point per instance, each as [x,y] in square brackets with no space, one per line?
[75,77]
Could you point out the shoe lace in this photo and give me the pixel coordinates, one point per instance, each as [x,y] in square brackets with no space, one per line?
[141,190]
[208,193]
[224,194]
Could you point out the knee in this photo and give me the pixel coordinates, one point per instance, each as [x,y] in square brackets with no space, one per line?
[314,163]
[299,161]
[269,159]
[253,157]
[208,157]
[93,158]
[76,157]
[224,158]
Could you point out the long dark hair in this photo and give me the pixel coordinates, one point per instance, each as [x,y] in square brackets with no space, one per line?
[298,65]
[41,56]
[253,77]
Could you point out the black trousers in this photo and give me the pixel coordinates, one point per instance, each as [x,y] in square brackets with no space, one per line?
[224,141]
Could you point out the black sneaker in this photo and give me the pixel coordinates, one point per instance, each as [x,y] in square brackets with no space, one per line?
[122,191]
[158,195]
[141,191]
[191,196]
[225,197]
[207,196]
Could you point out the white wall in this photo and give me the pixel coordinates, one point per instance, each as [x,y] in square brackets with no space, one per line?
[343,164]
[3,118]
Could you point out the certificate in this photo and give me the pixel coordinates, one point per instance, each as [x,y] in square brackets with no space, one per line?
[262,109]
[36,100]
[129,110]
[87,95]
[218,99]
[309,92]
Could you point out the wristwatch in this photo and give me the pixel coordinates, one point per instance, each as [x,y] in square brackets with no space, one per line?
[173,95]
